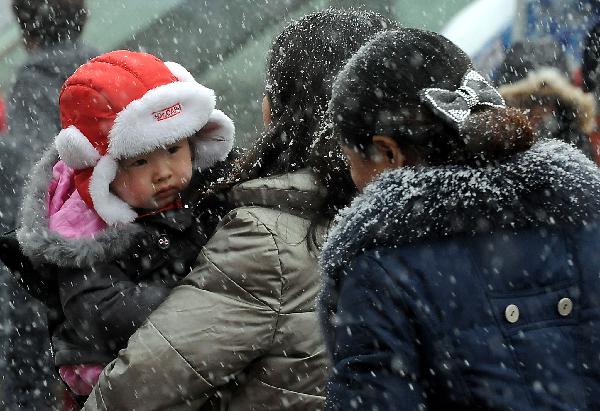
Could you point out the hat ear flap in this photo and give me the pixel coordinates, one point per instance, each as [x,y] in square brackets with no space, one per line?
[214,141]
[75,149]
[109,207]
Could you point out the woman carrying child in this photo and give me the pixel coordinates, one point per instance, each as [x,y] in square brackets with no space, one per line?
[465,275]
[241,333]
[106,211]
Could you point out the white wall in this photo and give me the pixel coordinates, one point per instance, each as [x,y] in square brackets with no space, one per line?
[6,16]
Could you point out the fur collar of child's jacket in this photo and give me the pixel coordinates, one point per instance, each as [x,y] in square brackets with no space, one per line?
[44,246]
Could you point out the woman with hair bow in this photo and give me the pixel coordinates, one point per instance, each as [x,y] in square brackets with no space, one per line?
[465,275]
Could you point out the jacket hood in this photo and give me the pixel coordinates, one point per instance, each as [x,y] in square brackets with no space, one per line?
[297,192]
[551,184]
[45,246]
[549,82]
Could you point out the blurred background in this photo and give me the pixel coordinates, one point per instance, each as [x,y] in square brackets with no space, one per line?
[223,43]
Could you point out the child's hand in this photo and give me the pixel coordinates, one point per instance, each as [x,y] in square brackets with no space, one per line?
[81,378]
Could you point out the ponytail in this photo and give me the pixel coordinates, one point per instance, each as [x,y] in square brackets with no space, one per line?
[495,133]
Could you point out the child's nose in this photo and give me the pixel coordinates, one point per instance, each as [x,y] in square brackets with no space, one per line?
[163,172]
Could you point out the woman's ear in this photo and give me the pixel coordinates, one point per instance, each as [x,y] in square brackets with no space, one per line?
[389,151]
[266,111]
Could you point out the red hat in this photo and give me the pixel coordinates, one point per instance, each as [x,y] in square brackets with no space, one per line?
[123,104]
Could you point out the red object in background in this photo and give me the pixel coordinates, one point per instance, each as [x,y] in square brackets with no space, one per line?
[3,125]
[577,78]
[594,137]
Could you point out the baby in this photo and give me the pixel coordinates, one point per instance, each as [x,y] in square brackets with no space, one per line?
[106,206]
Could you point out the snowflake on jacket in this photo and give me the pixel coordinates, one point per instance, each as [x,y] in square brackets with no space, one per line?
[104,207]
[101,288]
[450,288]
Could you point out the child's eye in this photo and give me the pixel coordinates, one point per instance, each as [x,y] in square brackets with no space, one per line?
[173,149]
[138,163]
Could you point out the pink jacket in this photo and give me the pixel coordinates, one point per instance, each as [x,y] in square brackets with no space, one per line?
[68,214]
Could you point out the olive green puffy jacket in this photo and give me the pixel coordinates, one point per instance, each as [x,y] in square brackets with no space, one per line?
[240,332]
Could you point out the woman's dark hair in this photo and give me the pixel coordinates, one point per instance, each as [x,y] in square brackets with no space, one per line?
[301,67]
[377,93]
[47,22]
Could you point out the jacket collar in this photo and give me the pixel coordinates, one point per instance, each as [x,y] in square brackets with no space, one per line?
[296,192]
[42,245]
[175,218]
[551,184]
[551,83]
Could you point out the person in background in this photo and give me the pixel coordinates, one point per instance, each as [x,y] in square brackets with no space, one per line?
[534,76]
[50,31]
[465,274]
[590,76]
[3,125]
[241,332]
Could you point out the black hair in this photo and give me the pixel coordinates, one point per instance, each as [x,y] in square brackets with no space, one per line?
[302,63]
[377,93]
[591,58]
[47,22]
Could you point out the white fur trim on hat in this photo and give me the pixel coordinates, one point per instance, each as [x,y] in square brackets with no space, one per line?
[109,207]
[179,71]
[75,149]
[162,116]
[214,141]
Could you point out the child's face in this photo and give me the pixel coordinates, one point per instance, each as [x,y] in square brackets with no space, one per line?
[153,181]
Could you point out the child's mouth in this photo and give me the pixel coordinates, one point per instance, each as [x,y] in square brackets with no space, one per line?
[166,193]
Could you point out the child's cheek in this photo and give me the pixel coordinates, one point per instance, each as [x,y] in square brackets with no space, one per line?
[188,176]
